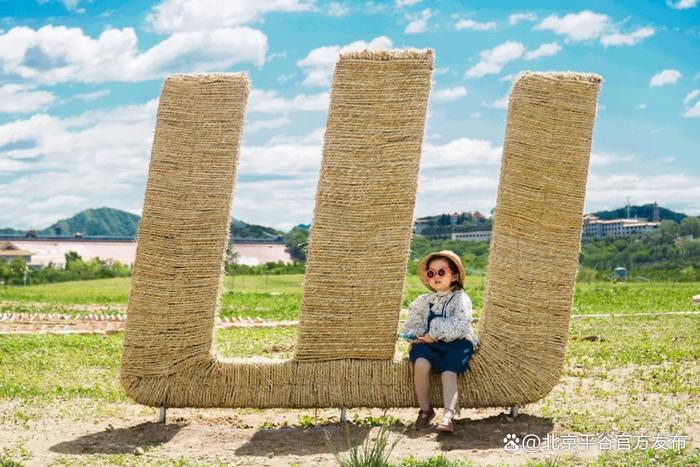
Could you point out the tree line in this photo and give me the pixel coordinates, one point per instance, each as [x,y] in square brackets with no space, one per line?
[671,252]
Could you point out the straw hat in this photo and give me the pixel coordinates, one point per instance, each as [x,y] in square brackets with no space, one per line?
[423,266]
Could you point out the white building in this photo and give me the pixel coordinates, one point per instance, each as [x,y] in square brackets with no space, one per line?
[477,236]
[593,227]
[39,252]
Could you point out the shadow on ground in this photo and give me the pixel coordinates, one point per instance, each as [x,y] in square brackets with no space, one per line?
[478,434]
[120,440]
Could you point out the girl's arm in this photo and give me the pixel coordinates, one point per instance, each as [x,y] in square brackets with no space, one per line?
[458,325]
[415,322]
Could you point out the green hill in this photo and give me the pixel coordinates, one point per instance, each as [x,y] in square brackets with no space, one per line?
[101,221]
[117,223]
[645,211]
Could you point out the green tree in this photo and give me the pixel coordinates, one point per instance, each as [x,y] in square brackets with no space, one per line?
[296,242]
[669,230]
[4,271]
[690,226]
[72,259]
[17,268]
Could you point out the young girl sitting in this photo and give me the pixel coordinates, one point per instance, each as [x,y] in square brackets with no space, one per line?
[445,340]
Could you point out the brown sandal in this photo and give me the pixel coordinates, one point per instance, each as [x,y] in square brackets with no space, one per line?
[424,418]
[446,425]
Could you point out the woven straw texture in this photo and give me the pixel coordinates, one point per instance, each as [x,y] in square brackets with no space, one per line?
[362,225]
[168,355]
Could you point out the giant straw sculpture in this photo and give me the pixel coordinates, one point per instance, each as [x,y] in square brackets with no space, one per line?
[361,228]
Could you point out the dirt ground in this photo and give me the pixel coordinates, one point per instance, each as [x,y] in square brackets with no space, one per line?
[85,431]
[56,323]
[81,431]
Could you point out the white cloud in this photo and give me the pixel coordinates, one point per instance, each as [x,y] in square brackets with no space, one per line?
[419,23]
[461,152]
[283,78]
[493,60]
[287,159]
[690,96]
[449,94]
[269,102]
[545,50]
[269,124]
[668,189]
[501,103]
[91,96]
[58,201]
[203,15]
[588,25]
[606,158]
[665,77]
[682,4]
[471,24]
[71,5]
[318,64]
[56,54]
[108,153]
[692,110]
[509,77]
[515,18]
[627,39]
[470,183]
[402,3]
[276,55]
[21,98]
[101,157]
[641,107]
[338,9]
[577,26]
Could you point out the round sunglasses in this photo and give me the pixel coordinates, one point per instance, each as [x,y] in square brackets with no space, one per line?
[440,272]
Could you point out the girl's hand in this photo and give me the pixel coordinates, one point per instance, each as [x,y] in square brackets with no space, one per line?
[425,339]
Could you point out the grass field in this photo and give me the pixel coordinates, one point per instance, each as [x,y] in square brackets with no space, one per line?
[278,297]
[621,374]
[636,375]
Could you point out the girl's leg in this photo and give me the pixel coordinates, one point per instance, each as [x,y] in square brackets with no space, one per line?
[421,378]
[449,392]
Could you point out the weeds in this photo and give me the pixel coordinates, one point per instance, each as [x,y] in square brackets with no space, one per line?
[371,453]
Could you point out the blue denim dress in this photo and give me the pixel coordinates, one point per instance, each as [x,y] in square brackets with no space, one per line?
[443,356]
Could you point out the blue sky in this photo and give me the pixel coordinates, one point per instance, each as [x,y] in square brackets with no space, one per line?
[79,83]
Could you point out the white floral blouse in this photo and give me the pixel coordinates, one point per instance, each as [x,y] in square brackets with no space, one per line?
[454,322]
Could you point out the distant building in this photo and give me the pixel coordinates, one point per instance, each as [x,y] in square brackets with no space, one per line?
[253,252]
[9,251]
[477,236]
[45,250]
[593,227]
[420,224]
[38,252]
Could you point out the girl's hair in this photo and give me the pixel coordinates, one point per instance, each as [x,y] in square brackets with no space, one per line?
[453,267]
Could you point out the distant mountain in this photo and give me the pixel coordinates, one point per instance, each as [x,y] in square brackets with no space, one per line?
[11,232]
[240,229]
[102,221]
[117,223]
[645,211]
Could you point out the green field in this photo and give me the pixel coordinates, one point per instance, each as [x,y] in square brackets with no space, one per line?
[637,376]
[278,297]
[621,374]
[48,366]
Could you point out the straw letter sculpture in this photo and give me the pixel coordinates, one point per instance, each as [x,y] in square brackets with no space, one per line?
[362,226]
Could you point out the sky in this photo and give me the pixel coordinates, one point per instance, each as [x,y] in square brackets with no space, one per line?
[80,81]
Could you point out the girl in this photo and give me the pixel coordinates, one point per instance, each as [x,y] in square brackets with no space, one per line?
[445,340]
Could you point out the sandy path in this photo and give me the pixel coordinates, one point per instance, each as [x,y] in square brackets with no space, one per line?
[234,435]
